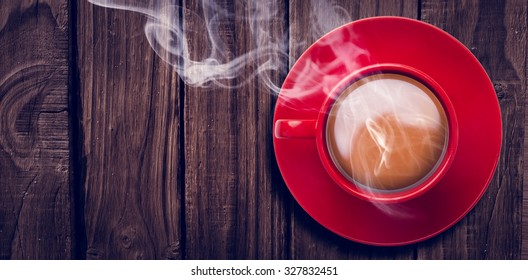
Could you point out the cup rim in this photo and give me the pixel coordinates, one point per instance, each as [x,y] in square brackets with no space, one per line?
[380,195]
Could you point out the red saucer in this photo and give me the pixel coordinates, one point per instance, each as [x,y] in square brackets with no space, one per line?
[403,41]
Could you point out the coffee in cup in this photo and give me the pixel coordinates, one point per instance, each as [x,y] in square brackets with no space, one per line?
[386,132]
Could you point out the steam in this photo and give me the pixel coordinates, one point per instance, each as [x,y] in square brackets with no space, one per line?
[383,143]
[170,38]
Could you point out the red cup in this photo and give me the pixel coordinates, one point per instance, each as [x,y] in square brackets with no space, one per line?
[317,128]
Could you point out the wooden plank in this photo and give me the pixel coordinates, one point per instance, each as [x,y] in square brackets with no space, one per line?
[495,31]
[130,107]
[235,202]
[308,21]
[35,212]
[520,35]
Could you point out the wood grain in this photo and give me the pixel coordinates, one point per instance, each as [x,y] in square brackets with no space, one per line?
[235,207]
[106,154]
[495,31]
[311,240]
[35,212]
[521,36]
[130,127]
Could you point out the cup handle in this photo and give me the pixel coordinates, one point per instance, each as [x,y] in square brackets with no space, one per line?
[303,129]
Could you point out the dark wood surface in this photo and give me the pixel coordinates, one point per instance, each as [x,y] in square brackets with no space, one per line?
[235,202]
[130,126]
[105,153]
[35,189]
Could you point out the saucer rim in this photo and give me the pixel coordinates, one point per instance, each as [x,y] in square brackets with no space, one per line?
[469,206]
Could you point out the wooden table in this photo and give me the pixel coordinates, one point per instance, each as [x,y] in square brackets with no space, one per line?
[106,154]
